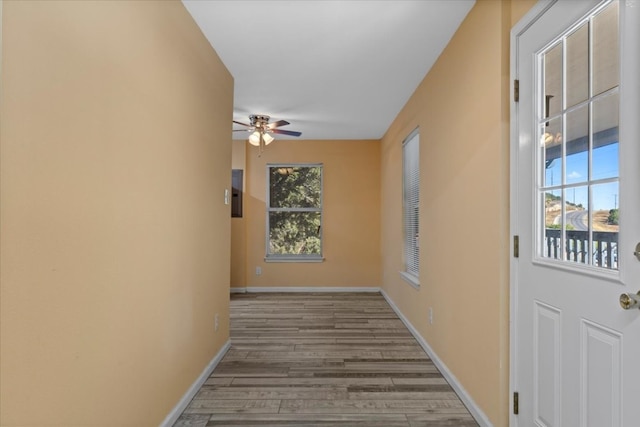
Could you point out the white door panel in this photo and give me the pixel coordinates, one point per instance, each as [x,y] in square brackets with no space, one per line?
[574,349]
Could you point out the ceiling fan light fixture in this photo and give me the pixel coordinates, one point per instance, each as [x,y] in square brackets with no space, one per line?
[261,130]
[254,139]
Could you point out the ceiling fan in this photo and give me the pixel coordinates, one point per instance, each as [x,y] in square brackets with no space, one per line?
[261,130]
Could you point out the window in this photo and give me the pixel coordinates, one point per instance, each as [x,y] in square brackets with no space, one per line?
[294,212]
[577,120]
[411,207]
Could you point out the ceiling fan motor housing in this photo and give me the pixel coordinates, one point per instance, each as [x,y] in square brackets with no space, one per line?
[259,120]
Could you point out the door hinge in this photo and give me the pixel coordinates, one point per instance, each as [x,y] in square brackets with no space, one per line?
[515,403]
[516,246]
[516,90]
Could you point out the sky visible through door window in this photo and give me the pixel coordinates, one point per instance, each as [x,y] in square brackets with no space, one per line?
[604,165]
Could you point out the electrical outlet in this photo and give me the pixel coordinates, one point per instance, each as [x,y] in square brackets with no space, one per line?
[258,271]
[217,322]
[431,315]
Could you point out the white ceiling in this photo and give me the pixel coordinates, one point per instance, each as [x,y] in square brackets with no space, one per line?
[333,69]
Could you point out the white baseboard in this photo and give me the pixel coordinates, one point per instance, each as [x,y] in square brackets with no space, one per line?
[188,396]
[238,290]
[474,409]
[305,289]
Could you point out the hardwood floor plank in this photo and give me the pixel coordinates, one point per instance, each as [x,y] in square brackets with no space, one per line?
[323,359]
[371,345]
[206,406]
[234,354]
[417,381]
[399,341]
[213,381]
[252,372]
[307,363]
[264,347]
[371,406]
[400,354]
[251,393]
[313,354]
[304,420]
[192,420]
[295,381]
[404,395]
[278,339]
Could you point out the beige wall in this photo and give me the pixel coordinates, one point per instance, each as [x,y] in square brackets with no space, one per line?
[351,215]
[462,109]
[115,236]
[238,225]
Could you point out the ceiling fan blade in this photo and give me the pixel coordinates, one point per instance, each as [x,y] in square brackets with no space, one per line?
[242,130]
[286,132]
[243,124]
[277,124]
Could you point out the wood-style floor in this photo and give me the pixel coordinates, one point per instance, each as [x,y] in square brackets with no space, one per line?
[323,359]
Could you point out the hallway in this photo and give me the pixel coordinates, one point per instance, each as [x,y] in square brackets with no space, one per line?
[323,359]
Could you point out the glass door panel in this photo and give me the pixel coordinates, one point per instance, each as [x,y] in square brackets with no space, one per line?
[578,130]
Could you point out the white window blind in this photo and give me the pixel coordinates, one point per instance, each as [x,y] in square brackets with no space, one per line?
[411,203]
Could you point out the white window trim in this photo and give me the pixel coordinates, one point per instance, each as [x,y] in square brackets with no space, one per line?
[410,279]
[292,258]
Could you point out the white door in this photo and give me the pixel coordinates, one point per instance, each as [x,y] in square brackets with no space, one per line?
[576,209]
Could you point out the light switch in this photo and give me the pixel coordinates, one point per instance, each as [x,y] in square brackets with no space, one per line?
[226,196]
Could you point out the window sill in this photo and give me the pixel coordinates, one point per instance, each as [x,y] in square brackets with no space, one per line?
[293,259]
[410,279]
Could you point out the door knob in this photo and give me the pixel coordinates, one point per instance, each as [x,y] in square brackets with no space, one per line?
[637,251]
[629,301]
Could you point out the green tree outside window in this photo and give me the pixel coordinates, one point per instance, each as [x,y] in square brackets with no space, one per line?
[295,211]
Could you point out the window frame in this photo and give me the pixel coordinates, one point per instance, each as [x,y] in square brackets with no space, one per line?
[586,258]
[268,209]
[411,277]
